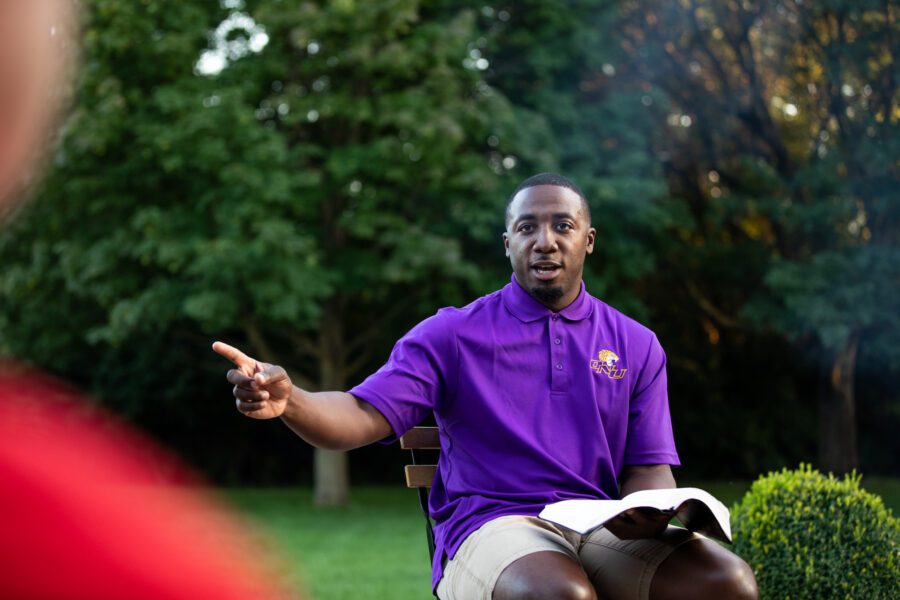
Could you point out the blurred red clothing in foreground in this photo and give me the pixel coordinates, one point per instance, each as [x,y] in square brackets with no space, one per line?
[93,510]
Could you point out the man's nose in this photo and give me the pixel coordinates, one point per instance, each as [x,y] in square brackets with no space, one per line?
[546,240]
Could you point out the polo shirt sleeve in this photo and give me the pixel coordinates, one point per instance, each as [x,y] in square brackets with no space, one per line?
[650,440]
[413,381]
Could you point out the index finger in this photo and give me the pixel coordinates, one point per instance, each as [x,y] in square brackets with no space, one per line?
[233,354]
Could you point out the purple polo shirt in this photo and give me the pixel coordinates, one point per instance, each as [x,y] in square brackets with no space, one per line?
[533,406]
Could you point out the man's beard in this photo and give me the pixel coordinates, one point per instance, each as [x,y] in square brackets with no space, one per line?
[547,294]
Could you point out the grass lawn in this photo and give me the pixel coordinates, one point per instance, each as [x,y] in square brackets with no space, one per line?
[375,547]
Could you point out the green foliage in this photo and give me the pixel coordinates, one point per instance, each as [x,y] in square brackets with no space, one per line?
[339,168]
[779,143]
[307,202]
[837,292]
[314,199]
[810,536]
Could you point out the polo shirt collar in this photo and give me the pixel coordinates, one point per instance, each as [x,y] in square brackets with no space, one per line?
[527,309]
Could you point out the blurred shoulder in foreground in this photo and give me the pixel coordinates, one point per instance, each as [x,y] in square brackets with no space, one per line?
[90,508]
[93,510]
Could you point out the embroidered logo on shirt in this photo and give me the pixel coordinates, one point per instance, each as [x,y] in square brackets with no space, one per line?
[606,365]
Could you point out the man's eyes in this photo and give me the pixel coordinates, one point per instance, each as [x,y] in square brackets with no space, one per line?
[528,227]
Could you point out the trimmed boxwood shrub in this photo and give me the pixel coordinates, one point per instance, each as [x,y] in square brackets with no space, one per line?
[810,536]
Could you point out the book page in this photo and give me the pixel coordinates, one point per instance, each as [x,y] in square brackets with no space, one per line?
[584,515]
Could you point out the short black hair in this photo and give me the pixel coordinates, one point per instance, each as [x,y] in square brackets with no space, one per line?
[550,179]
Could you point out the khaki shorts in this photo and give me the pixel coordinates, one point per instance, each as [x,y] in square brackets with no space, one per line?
[617,568]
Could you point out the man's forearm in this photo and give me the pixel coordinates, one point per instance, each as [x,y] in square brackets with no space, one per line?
[645,477]
[334,420]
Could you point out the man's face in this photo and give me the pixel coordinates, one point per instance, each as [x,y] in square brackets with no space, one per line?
[547,238]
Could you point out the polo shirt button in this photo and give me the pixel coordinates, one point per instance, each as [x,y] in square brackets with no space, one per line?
[559,366]
[554,317]
[557,341]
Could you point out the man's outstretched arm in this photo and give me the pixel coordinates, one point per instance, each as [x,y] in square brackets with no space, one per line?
[331,420]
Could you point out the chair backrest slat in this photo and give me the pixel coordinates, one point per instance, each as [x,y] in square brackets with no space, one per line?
[419,476]
[421,438]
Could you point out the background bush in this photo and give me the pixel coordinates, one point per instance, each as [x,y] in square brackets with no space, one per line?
[811,536]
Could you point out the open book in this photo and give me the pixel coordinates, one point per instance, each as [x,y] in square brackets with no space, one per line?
[697,510]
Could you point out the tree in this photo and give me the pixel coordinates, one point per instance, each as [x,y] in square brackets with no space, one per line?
[782,133]
[300,199]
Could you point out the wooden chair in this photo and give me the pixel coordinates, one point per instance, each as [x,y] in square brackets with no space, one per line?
[422,442]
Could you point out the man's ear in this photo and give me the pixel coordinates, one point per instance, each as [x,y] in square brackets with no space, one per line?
[591,236]
[506,243]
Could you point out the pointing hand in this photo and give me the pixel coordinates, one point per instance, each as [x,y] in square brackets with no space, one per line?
[261,390]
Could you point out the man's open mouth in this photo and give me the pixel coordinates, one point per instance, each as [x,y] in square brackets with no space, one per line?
[545,271]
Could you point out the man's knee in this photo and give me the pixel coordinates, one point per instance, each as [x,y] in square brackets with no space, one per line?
[733,578]
[702,569]
[544,576]
[550,588]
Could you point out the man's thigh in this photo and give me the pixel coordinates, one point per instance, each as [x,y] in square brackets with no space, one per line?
[620,569]
[483,556]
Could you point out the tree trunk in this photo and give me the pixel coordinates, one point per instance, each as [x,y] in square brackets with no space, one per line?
[331,474]
[838,450]
[332,480]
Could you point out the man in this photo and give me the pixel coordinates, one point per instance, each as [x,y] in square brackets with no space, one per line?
[541,393]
